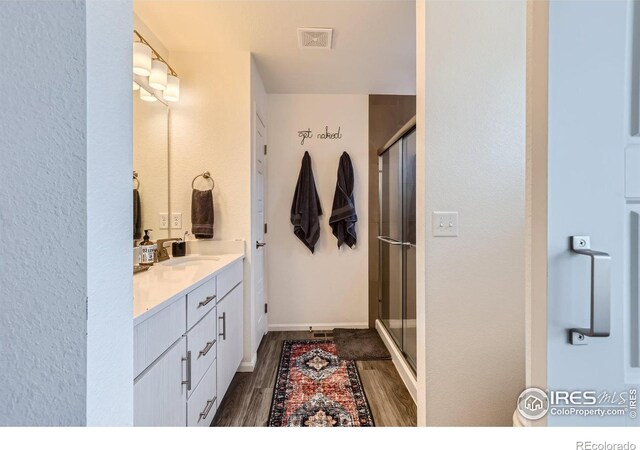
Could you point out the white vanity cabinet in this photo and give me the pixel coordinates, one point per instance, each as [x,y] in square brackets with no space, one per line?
[230,333]
[187,352]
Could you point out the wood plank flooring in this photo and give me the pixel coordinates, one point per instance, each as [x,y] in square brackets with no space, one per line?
[248,400]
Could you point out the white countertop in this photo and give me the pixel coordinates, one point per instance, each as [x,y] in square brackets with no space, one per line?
[163,284]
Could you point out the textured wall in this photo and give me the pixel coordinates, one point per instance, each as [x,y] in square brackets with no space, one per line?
[43,267]
[109,222]
[329,287]
[210,131]
[473,114]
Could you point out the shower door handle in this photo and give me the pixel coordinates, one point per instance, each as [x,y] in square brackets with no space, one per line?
[600,292]
[392,241]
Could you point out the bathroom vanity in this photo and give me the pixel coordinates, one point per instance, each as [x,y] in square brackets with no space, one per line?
[188,337]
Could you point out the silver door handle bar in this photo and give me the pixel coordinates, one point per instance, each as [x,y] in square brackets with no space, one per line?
[600,291]
[392,241]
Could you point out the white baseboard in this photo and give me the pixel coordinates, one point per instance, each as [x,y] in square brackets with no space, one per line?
[401,364]
[316,326]
[248,366]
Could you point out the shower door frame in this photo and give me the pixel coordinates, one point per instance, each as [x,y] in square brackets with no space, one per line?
[406,130]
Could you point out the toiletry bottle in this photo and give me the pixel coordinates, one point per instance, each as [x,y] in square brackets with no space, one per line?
[147,250]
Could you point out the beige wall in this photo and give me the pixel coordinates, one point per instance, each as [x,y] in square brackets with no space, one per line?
[328,288]
[471,120]
[210,130]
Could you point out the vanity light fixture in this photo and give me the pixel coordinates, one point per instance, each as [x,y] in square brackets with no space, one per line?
[136,86]
[142,54]
[158,77]
[147,96]
[172,92]
[161,75]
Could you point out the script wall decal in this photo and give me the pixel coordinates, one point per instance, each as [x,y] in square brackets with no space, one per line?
[327,134]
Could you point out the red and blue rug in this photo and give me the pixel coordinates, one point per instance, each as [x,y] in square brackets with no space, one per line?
[314,388]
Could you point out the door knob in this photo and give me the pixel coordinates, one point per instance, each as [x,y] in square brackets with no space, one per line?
[260,244]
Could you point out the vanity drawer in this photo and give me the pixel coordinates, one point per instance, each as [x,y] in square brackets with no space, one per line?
[156,334]
[202,343]
[202,405]
[200,301]
[229,279]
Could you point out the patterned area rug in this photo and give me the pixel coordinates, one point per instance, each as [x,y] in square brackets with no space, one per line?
[314,388]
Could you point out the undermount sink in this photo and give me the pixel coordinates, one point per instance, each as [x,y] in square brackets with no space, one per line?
[189,260]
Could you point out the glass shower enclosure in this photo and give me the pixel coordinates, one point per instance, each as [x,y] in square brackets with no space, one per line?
[397,241]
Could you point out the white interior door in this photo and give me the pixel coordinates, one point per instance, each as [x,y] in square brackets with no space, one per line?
[587,118]
[259,265]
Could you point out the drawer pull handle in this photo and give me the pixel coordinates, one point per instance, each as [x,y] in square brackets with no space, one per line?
[207,409]
[205,350]
[206,301]
[188,380]
[224,326]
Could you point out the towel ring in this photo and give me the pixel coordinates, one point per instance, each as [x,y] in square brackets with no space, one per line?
[135,178]
[206,176]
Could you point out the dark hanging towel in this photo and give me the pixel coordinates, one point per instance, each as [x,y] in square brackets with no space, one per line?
[137,218]
[202,214]
[306,208]
[343,215]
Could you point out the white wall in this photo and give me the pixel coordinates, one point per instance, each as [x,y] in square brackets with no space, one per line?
[65,211]
[471,116]
[330,287]
[43,270]
[210,130]
[109,209]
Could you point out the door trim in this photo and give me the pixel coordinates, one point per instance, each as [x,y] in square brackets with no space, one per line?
[536,197]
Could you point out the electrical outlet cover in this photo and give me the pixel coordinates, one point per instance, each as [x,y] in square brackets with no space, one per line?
[164,221]
[176,221]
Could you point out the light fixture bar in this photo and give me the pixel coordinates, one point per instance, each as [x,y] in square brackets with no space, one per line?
[155,53]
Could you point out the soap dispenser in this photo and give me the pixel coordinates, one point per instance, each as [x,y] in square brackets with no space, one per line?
[147,250]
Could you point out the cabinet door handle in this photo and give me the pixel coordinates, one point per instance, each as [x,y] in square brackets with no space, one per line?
[207,409]
[187,382]
[224,326]
[206,349]
[206,301]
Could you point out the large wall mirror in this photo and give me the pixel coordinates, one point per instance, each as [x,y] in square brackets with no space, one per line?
[150,166]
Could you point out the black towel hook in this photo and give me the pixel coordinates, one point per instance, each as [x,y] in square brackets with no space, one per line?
[135,178]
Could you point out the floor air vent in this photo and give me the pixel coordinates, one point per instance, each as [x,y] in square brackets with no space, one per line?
[315,38]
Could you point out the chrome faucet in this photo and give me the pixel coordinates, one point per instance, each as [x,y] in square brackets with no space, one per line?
[161,252]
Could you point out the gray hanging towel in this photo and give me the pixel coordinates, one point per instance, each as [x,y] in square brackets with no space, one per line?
[306,209]
[202,214]
[137,218]
[343,215]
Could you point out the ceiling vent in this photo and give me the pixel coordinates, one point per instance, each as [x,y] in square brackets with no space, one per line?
[315,38]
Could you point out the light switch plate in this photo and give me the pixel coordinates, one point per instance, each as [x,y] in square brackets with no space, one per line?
[176,221]
[164,221]
[445,224]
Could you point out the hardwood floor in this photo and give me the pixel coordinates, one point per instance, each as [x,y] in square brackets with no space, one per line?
[248,399]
